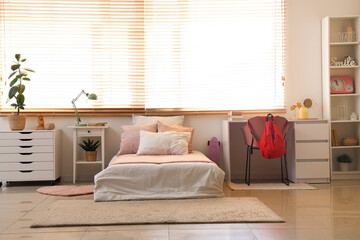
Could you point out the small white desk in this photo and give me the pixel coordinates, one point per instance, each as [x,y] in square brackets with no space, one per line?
[78,134]
[307,152]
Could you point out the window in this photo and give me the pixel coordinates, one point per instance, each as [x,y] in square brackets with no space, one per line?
[153,54]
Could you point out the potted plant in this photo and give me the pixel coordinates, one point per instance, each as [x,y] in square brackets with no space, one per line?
[344,161]
[90,149]
[17,88]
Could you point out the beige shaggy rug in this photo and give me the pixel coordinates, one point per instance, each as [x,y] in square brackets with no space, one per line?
[269,186]
[67,191]
[209,210]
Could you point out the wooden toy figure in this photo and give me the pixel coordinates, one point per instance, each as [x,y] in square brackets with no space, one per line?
[41,123]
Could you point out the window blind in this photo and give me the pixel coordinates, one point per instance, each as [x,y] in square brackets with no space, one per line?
[153,54]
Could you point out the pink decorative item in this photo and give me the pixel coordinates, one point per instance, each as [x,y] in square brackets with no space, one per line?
[130,137]
[341,84]
[67,191]
[214,150]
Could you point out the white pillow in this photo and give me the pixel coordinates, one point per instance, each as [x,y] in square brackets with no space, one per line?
[164,143]
[174,120]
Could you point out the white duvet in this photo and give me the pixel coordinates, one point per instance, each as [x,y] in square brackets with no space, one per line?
[130,181]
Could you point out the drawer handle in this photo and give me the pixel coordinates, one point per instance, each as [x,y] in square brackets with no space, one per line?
[26,146]
[26,171]
[26,140]
[88,131]
[25,153]
[25,132]
[26,162]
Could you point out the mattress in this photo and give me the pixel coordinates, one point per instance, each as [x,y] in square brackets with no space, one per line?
[159,179]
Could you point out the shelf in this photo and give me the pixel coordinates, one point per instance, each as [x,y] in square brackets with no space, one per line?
[345,95]
[343,43]
[344,67]
[345,172]
[88,162]
[88,127]
[89,135]
[345,121]
[345,147]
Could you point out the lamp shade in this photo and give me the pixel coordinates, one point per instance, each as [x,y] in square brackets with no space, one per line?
[92,96]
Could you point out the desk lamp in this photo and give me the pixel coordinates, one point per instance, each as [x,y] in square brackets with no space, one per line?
[90,96]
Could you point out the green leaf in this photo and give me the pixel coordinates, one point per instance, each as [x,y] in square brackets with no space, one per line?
[29,69]
[13,91]
[13,82]
[21,107]
[12,74]
[14,105]
[22,88]
[26,79]
[20,99]
[23,60]
[15,66]
[17,56]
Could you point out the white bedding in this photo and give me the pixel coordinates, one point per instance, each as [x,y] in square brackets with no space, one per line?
[159,181]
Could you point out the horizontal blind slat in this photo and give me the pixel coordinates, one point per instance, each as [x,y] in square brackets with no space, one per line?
[153,54]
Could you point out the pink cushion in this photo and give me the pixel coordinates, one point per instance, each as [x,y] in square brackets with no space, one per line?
[130,137]
[162,127]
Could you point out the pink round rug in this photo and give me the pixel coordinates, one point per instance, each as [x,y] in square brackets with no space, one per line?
[67,191]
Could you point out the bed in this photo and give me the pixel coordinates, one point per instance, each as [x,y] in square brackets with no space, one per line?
[132,176]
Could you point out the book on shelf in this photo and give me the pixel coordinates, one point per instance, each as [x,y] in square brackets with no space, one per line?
[334,138]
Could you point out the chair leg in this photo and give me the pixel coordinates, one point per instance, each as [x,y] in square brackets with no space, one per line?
[286,171]
[247,159]
[282,171]
[248,183]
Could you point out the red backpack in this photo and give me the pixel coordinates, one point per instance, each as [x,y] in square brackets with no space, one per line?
[271,144]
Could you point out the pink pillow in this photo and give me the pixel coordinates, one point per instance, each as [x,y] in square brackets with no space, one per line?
[130,137]
[162,127]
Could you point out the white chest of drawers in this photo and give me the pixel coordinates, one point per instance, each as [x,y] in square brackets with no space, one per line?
[312,151]
[30,155]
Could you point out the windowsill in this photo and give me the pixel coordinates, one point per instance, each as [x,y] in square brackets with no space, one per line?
[113,112]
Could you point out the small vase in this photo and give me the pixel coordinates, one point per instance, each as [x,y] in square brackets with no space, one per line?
[303,113]
[17,122]
[344,167]
[91,156]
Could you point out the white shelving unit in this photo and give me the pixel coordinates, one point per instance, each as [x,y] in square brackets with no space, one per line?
[80,133]
[335,105]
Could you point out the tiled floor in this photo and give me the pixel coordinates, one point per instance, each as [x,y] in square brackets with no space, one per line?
[331,212]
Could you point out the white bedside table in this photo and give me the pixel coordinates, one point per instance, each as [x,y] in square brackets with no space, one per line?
[84,132]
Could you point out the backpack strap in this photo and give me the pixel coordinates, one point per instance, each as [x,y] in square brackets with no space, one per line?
[269,116]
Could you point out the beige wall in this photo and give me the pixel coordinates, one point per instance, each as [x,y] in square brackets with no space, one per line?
[304,46]
[303,80]
[206,127]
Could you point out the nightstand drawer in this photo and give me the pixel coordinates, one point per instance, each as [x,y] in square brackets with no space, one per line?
[314,150]
[311,131]
[26,165]
[26,149]
[21,157]
[26,142]
[25,135]
[312,169]
[88,131]
[26,175]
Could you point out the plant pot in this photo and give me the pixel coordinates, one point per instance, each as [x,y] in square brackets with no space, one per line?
[17,122]
[344,167]
[91,156]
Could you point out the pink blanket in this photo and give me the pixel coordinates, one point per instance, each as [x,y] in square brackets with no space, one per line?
[159,159]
